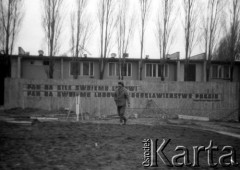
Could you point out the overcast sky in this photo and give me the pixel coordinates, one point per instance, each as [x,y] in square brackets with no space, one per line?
[31,36]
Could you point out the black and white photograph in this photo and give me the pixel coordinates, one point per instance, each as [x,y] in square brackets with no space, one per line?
[119,84]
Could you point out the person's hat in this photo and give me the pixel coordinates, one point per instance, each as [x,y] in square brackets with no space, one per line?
[121,83]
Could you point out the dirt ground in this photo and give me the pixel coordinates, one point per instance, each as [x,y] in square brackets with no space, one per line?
[64,145]
[72,145]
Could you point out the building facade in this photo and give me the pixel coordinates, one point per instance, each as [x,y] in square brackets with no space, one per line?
[171,69]
[171,87]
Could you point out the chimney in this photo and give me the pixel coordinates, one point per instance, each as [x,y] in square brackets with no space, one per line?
[113,55]
[21,51]
[125,55]
[40,53]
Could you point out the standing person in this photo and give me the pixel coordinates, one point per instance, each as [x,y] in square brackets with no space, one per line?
[121,98]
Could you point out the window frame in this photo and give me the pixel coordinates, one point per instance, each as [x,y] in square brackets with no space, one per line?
[215,76]
[220,71]
[45,62]
[147,70]
[114,70]
[127,69]
[116,67]
[229,71]
[89,68]
[155,68]
[70,67]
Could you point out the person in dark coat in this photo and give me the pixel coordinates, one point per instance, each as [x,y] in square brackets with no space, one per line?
[121,98]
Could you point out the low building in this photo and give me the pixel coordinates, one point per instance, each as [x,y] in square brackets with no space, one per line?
[171,69]
[169,88]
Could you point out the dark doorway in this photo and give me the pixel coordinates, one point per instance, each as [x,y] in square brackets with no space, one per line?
[1,91]
[4,72]
[190,72]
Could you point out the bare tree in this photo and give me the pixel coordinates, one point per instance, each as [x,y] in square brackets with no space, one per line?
[165,24]
[11,17]
[80,36]
[125,30]
[1,38]
[223,49]
[234,44]
[191,38]
[229,45]
[144,10]
[52,24]
[190,25]
[212,27]
[107,21]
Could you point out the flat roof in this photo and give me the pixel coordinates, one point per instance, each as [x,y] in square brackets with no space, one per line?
[169,60]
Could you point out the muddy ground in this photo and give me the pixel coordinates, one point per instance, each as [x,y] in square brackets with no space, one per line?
[63,145]
[72,145]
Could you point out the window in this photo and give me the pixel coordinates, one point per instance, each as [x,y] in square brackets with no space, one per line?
[149,70]
[129,69]
[220,71]
[46,62]
[87,68]
[75,68]
[190,72]
[226,72]
[156,70]
[162,69]
[166,70]
[112,69]
[126,69]
[215,71]
[117,68]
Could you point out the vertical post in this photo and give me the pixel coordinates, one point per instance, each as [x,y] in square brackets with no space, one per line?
[80,107]
[61,68]
[204,71]
[140,77]
[178,70]
[19,67]
[77,106]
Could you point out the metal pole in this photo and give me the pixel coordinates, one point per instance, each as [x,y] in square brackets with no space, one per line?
[77,107]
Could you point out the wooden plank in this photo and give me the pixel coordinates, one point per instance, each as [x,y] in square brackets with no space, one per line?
[45,118]
[20,122]
[193,117]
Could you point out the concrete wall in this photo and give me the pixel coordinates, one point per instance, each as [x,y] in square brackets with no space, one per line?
[172,70]
[14,68]
[213,100]
[33,69]
[57,70]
